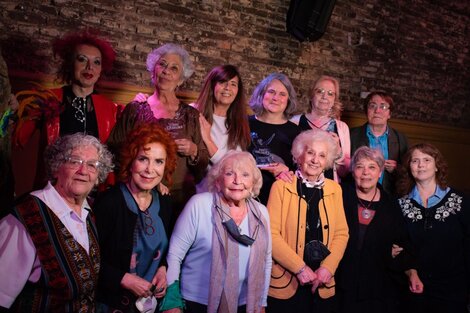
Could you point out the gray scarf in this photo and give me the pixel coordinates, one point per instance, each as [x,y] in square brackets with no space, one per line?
[223,290]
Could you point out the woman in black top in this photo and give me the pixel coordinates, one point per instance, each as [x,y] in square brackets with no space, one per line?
[438,220]
[133,221]
[273,101]
[364,277]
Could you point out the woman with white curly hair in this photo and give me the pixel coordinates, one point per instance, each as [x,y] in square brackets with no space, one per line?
[48,244]
[220,250]
[169,66]
[308,228]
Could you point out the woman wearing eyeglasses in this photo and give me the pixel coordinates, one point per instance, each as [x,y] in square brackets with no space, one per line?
[377,134]
[438,220]
[324,113]
[49,253]
[308,228]
[133,221]
[220,250]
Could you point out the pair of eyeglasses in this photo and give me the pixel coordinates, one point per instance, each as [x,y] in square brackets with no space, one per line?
[322,92]
[75,163]
[382,106]
[234,231]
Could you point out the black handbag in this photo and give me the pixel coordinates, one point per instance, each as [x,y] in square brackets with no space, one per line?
[315,252]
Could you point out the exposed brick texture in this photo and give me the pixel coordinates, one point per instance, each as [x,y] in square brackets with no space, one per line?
[416,49]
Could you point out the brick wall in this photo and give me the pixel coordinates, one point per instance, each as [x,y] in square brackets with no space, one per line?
[416,49]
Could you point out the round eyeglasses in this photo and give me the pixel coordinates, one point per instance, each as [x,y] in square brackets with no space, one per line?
[75,163]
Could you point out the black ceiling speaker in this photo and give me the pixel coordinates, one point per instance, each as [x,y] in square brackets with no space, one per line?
[308,19]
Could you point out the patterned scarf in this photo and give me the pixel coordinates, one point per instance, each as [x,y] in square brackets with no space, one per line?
[316,184]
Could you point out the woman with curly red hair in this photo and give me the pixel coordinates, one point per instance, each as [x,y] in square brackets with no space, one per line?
[438,220]
[76,107]
[133,222]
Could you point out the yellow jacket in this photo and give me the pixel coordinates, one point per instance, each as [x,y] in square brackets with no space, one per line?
[288,235]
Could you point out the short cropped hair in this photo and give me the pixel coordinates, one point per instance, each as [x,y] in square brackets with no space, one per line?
[365,152]
[309,138]
[239,157]
[55,154]
[170,48]
[388,98]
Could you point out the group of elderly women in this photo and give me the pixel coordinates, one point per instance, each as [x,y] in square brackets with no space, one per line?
[307,244]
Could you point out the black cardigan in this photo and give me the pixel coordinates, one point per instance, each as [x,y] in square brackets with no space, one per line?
[368,272]
[116,225]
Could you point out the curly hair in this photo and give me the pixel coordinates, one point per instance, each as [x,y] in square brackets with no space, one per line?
[57,152]
[382,94]
[238,158]
[140,137]
[406,181]
[310,138]
[256,100]
[337,107]
[170,48]
[66,46]
[237,120]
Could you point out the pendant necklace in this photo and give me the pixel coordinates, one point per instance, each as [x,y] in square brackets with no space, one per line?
[319,127]
[366,212]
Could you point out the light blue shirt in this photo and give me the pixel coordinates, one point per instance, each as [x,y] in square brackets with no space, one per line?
[380,143]
[190,253]
[439,193]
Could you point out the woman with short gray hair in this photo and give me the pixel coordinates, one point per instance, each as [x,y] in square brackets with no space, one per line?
[169,66]
[273,101]
[52,234]
[170,48]
[365,276]
[60,152]
[308,228]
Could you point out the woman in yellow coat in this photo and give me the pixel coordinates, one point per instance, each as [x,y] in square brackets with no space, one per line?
[309,229]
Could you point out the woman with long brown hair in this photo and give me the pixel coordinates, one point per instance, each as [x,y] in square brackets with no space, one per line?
[224,123]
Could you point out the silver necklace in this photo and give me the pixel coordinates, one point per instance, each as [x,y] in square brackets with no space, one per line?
[366,211]
[79,104]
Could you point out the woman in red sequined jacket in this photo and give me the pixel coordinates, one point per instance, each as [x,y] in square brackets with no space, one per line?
[76,107]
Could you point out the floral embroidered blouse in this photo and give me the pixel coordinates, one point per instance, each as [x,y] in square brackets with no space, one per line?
[441,234]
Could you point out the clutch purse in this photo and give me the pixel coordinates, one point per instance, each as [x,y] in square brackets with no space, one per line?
[315,252]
